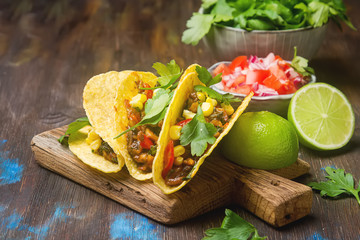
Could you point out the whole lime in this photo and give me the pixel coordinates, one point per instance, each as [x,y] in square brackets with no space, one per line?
[261,140]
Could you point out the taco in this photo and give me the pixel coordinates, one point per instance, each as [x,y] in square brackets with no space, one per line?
[192,128]
[141,108]
[94,144]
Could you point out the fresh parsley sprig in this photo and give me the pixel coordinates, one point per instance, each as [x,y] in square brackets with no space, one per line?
[155,110]
[198,133]
[300,65]
[168,73]
[233,227]
[206,78]
[339,183]
[74,127]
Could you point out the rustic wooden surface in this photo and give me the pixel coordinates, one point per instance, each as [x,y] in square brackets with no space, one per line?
[275,199]
[49,49]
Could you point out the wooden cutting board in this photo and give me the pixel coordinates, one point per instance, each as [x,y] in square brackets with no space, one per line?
[269,195]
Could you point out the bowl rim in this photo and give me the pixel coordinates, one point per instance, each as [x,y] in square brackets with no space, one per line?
[261,98]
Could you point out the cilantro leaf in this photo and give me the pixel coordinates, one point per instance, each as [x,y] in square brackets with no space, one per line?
[233,227]
[319,13]
[198,133]
[206,78]
[169,73]
[155,110]
[198,26]
[338,183]
[74,127]
[208,3]
[222,11]
[300,65]
[226,98]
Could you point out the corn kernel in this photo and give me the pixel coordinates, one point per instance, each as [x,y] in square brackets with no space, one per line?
[188,114]
[178,151]
[138,105]
[95,144]
[138,101]
[178,161]
[228,108]
[139,98]
[175,132]
[212,101]
[201,96]
[92,136]
[207,108]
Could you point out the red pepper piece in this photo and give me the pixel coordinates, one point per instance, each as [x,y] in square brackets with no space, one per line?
[184,122]
[146,143]
[168,158]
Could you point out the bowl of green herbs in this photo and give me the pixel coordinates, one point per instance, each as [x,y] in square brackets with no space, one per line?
[231,28]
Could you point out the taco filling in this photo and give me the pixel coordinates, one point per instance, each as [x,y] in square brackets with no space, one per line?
[179,158]
[142,140]
[100,147]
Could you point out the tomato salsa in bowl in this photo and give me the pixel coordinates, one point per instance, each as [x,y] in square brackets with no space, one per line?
[272,79]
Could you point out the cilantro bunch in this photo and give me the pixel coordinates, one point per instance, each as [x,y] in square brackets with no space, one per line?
[263,15]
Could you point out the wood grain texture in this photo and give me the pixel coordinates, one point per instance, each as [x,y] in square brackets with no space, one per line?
[274,199]
[49,49]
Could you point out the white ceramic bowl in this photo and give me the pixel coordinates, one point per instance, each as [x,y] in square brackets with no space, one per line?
[226,43]
[277,104]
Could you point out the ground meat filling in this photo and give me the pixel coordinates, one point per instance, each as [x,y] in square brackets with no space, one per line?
[219,118]
[107,152]
[142,141]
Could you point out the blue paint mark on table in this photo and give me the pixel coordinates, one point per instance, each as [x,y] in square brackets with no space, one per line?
[13,222]
[10,169]
[133,227]
[316,236]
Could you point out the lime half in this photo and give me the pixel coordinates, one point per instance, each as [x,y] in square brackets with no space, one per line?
[322,116]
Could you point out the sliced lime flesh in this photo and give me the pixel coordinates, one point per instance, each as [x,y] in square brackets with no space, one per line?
[322,116]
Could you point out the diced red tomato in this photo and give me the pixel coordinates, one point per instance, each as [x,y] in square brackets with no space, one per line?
[148,92]
[146,143]
[168,158]
[272,82]
[265,76]
[184,122]
[222,68]
[287,88]
[277,71]
[256,76]
[240,61]
[244,89]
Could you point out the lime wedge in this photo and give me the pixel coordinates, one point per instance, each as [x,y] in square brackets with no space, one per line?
[322,116]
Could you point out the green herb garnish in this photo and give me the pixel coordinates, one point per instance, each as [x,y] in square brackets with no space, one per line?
[339,183]
[198,133]
[233,227]
[263,15]
[155,110]
[74,127]
[300,65]
[169,73]
[206,78]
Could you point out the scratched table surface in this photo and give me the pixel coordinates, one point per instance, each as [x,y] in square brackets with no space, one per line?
[49,49]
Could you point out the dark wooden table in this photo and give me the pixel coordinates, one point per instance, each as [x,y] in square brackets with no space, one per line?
[49,49]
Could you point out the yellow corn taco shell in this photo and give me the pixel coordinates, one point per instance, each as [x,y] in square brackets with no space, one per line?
[182,93]
[98,101]
[82,150]
[127,90]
